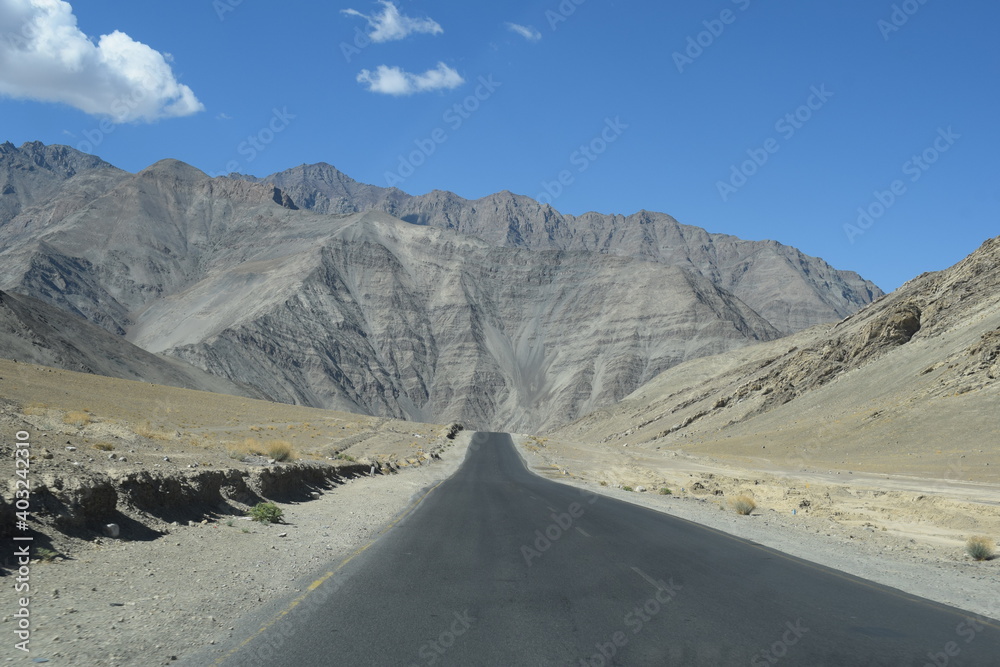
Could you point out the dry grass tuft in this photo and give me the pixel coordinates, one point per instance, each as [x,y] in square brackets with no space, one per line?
[743,504]
[104,446]
[980,547]
[281,450]
[77,418]
[248,447]
[145,429]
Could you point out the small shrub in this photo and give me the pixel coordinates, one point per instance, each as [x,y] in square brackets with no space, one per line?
[281,450]
[47,555]
[249,447]
[76,418]
[665,491]
[104,446]
[626,488]
[346,457]
[266,513]
[603,483]
[979,547]
[743,504]
[230,523]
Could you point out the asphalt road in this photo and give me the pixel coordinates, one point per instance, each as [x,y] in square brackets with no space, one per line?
[498,566]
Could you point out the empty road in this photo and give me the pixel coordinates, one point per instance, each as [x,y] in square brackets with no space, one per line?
[498,566]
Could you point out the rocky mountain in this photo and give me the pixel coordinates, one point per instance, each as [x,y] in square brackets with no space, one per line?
[909,383]
[367,312]
[35,172]
[788,288]
[34,332]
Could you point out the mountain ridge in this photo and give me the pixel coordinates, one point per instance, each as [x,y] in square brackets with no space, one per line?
[822,293]
[369,312]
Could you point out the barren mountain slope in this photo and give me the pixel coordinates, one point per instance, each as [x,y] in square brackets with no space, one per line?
[35,173]
[411,321]
[35,332]
[909,384]
[790,289]
[362,312]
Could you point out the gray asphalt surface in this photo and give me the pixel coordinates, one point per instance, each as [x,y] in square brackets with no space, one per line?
[498,566]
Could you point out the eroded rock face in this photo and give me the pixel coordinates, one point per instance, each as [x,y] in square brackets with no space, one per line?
[76,502]
[498,313]
[89,500]
[788,288]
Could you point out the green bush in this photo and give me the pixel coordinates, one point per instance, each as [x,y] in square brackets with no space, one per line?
[665,491]
[47,555]
[626,488]
[266,513]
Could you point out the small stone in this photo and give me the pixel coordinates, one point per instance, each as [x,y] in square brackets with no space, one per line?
[111,457]
[122,459]
[167,459]
[282,534]
[71,449]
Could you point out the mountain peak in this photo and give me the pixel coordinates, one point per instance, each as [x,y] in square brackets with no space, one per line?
[172,168]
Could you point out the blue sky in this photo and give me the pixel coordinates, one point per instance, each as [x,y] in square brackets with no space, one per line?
[762,120]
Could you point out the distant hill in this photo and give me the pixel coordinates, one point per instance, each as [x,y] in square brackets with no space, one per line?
[909,384]
[34,332]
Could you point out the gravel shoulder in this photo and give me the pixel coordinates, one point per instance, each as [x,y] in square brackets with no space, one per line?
[189,596]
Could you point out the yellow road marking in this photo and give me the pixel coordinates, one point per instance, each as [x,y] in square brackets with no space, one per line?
[319,582]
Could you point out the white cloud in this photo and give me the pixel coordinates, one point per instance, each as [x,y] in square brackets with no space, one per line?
[394,81]
[390,25]
[44,56]
[525,31]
